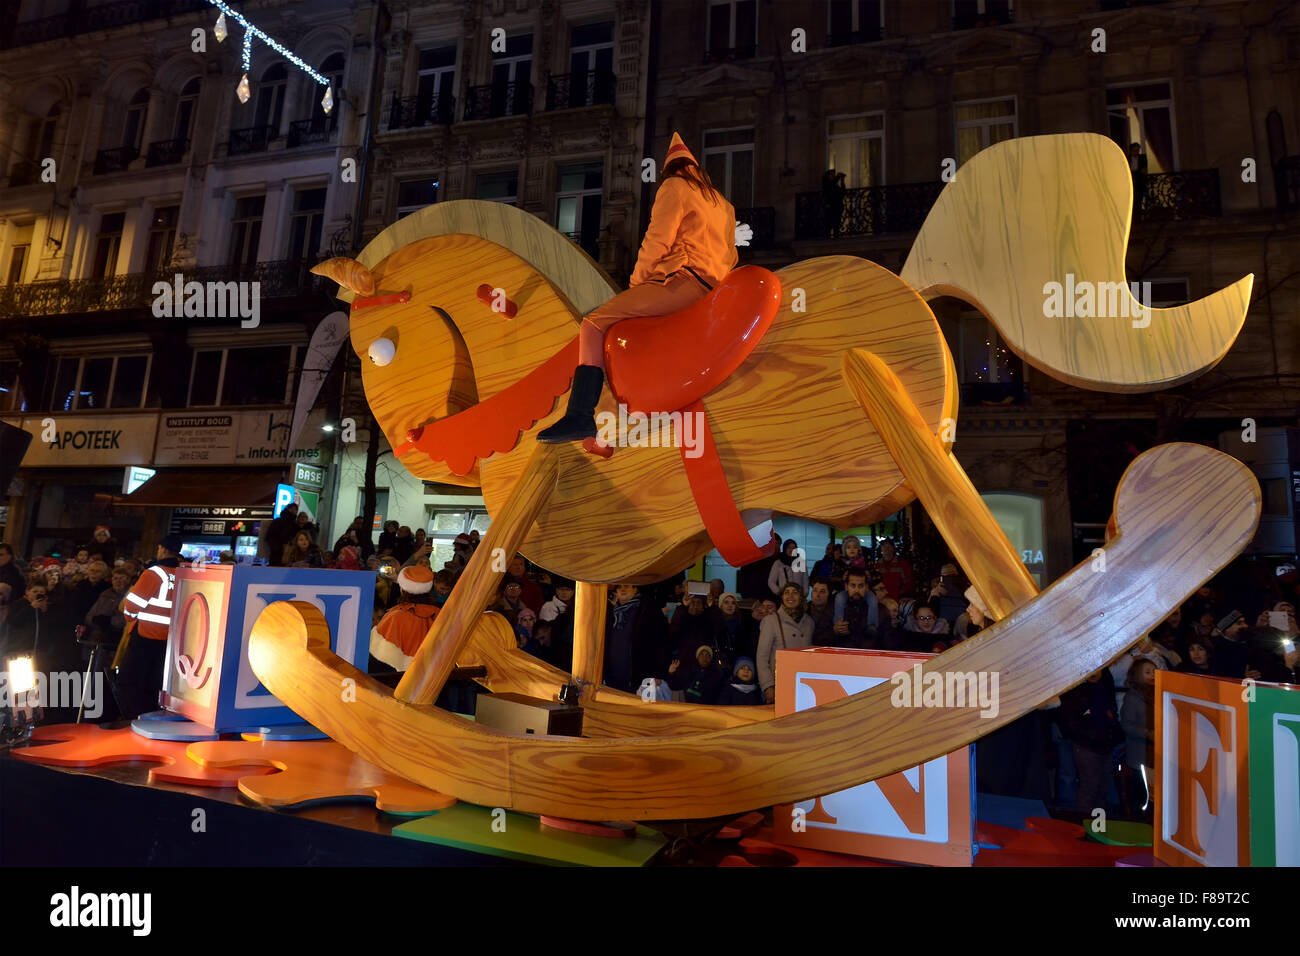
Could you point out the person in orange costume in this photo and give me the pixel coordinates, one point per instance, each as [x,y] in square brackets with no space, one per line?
[399,633]
[688,248]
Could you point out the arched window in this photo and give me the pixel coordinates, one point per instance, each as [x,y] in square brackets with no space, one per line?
[332,69]
[185,106]
[45,134]
[270,98]
[133,127]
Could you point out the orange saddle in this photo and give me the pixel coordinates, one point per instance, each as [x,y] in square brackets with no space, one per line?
[664,363]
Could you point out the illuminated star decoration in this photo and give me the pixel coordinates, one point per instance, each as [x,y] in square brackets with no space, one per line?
[250,31]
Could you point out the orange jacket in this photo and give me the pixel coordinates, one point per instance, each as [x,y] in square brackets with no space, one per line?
[400,632]
[687,229]
[149,602]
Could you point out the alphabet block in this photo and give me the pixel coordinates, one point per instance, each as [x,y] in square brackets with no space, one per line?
[207,676]
[921,815]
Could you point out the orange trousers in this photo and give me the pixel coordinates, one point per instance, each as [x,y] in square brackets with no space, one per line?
[647,299]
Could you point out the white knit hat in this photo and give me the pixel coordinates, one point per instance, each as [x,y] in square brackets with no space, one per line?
[417,579]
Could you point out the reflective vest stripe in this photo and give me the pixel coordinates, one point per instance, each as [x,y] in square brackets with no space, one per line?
[136,599]
[155,618]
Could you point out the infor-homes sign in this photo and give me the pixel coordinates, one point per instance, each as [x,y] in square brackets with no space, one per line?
[80,441]
[242,438]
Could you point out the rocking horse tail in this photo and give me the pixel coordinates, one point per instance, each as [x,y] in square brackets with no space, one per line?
[1033,232]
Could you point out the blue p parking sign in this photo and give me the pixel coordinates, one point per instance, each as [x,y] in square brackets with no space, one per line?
[283,498]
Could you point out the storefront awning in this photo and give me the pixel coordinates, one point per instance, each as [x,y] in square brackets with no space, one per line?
[213,487]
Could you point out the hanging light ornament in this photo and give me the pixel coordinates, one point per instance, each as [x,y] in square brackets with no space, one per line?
[242,90]
[327,103]
[220,28]
[251,31]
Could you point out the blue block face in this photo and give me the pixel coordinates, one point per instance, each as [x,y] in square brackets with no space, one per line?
[344,597]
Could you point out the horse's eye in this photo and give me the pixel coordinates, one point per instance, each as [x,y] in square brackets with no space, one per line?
[382,351]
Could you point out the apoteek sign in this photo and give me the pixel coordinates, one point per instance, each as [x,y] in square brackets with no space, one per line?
[89,440]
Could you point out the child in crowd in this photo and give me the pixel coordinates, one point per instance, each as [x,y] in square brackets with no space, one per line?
[743,688]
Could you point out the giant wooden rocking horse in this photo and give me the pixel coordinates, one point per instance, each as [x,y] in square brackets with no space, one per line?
[824,388]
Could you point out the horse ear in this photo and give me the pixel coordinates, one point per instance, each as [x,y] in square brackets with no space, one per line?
[349,274]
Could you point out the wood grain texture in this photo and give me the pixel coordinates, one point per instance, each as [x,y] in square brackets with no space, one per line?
[436,658]
[590,606]
[613,713]
[956,508]
[789,384]
[1182,513]
[1029,211]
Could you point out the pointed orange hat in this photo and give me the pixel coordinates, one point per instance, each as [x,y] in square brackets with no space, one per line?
[678,150]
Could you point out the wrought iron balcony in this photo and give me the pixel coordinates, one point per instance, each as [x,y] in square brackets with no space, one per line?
[1287,173]
[23,173]
[967,16]
[166,152]
[115,160]
[251,139]
[103,17]
[499,99]
[318,129]
[572,90]
[867,211]
[284,279]
[590,245]
[1189,194]
[846,37]
[762,220]
[727,54]
[412,111]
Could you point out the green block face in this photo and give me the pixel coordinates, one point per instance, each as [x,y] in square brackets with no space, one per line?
[1275,777]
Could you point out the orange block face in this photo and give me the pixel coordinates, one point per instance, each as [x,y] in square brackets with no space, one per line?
[921,815]
[1202,771]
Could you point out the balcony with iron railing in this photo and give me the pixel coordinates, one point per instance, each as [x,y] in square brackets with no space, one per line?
[166,152]
[411,112]
[105,16]
[1187,194]
[115,160]
[762,220]
[728,54]
[250,139]
[310,132]
[498,99]
[867,211]
[574,90]
[847,37]
[589,245]
[283,279]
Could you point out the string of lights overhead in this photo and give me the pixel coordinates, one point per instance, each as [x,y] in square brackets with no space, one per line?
[250,31]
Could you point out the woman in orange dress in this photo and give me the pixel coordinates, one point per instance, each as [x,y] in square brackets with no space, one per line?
[689,246]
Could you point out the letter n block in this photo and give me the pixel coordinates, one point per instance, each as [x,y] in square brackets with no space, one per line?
[921,815]
[207,676]
[1202,806]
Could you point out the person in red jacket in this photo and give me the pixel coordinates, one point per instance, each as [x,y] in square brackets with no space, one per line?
[400,632]
[688,248]
[148,606]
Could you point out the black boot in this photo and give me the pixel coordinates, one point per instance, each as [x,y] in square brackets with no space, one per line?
[579,419]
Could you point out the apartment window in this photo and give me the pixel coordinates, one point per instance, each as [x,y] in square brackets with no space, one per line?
[17,262]
[967,14]
[415,194]
[108,245]
[729,161]
[381,505]
[1167,293]
[9,400]
[270,98]
[1144,114]
[515,65]
[985,358]
[162,237]
[591,48]
[185,109]
[854,21]
[498,187]
[133,128]
[577,205]
[733,29]
[252,375]
[306,222]
[436,85]
[246,230]
[855,145]
[982,123]
[95,382]
[446,523]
